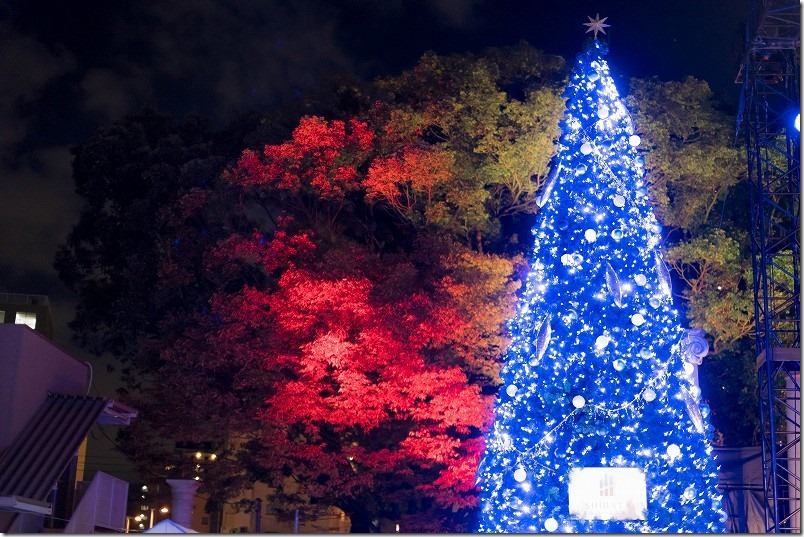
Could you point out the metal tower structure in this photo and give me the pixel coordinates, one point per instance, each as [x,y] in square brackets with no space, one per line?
[770,78]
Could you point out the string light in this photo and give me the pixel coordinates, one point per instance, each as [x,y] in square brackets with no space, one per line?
[598,374]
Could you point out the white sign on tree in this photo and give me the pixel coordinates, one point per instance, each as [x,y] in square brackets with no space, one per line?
[607,493]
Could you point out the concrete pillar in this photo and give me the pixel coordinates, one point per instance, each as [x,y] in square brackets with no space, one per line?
[182,492]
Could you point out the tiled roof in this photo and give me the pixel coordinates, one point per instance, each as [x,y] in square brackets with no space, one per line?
[33,462]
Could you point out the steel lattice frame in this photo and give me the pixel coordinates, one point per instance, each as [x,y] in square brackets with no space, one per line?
[771,99]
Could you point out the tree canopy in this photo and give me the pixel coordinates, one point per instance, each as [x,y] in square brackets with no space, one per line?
[328,306]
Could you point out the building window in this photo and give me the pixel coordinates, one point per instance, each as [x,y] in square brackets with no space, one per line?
[27,318]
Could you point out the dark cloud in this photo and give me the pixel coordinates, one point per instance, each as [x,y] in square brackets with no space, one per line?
[68,67]
[458,13]
[110,94]
[27,67]
[216,58]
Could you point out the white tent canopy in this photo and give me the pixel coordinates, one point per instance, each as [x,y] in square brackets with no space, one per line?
[168,526]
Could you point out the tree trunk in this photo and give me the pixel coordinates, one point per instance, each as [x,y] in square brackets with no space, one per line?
[361,521]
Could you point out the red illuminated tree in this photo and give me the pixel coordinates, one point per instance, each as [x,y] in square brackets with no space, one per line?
[374,363]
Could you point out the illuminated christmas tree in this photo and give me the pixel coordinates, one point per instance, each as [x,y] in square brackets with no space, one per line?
[597,426]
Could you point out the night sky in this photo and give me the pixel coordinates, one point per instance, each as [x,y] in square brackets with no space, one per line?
[67,68]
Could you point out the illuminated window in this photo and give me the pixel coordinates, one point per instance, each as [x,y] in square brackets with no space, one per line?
[24,317]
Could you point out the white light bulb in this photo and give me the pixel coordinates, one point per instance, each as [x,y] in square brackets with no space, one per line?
[511,390]
[586,148]
[551,524]
[590,235]
[578,401]
[619,201]
[634,140]
[648,395]
[673,451]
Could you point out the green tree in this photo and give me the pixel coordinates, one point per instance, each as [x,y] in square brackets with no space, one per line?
[689,154]
[495,117]
[717,292]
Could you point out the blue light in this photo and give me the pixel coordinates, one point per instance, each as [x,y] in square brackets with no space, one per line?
[597,374]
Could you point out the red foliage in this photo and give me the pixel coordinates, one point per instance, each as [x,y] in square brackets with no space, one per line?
[365,402]
[357,395]
[322,157]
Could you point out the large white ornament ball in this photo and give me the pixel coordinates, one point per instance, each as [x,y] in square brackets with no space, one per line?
[551,524]
[566,259]
[602,112]
[648,395]
[619,201]
[590,235]
[520,475]
[578,401]
[673,451]
[602,341]
[511,390]
[640,279]
[634,140]
[689,369]
[637,319]
[586,148]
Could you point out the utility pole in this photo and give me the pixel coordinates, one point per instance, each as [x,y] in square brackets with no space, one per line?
[258,515]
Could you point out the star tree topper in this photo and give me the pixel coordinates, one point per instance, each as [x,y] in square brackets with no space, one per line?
[596,25]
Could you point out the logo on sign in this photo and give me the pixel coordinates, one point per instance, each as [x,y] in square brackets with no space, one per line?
[608,494]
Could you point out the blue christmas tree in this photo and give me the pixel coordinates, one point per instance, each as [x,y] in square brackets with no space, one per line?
[598,426]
